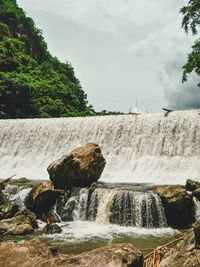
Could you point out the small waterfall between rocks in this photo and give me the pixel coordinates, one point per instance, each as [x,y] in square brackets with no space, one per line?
[17,194]
[121,207]
[102,214]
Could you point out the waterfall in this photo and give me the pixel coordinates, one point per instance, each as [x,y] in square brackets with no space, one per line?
[17,194]
[137,148]
[142,209]
[79,212]
[122,207]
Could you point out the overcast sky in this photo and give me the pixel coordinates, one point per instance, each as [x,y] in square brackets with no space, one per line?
[121,50]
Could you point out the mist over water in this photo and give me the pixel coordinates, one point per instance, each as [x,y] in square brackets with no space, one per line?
[148,148]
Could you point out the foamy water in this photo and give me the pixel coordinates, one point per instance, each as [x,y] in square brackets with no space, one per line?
[78,231]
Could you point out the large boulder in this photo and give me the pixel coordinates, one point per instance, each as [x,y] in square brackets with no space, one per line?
[24,222]
[27,252]
[79,168]
[192,185]
[42,197]
[178,205]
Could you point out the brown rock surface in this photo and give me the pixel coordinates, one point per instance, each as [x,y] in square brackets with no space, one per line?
[178,205]
[37,253]
[81,167]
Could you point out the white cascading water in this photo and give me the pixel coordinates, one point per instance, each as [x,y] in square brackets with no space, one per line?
[148,148]
[16,194]
[133,208]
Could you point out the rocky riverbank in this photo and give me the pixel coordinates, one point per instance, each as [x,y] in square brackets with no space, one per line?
[37,253]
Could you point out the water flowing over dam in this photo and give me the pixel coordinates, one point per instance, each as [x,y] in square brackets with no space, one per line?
[121,207]
[150,148]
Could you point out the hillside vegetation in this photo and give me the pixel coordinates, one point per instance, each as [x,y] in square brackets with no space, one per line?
[33,83]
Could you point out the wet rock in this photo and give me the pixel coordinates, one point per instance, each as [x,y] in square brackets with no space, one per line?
[192,185]
[24,222]
[120,255]
[178,205]
[81,167]
[42,197]
[52,229]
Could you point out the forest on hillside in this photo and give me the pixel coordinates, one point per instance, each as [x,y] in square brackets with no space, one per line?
[33,83]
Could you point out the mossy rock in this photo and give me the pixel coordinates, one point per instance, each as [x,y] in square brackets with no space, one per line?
[24,222]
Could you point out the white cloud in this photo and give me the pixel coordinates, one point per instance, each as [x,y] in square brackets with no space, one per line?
[120,49]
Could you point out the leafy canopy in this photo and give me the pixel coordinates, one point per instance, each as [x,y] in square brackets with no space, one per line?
[191,22]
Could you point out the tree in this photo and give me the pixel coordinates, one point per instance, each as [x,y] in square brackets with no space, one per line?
[191,22]
[33,83]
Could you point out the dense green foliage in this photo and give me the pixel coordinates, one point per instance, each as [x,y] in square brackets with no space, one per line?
[191,22]
[32,82]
